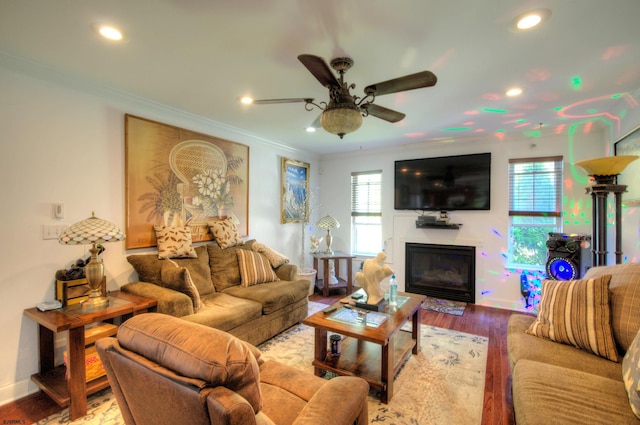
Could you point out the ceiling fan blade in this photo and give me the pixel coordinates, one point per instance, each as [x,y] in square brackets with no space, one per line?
[319,68]
[316,123]
[274,101]
[383,113]
[408,82]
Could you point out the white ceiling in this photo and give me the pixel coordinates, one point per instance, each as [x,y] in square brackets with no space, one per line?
[202,55]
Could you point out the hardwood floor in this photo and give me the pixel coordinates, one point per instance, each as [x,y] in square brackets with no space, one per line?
[478,320]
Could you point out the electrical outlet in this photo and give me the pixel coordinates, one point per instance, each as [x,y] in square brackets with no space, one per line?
[52,231]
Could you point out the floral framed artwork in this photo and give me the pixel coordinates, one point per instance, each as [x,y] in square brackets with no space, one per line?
[294,205]
[629,144]
[178,177]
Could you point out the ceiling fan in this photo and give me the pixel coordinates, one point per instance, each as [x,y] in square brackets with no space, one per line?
[343,113]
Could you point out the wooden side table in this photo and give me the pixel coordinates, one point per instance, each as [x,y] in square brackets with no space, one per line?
[337,256]
[73,392]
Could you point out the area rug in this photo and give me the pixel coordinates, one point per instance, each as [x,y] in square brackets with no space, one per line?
[443,384]
[445,306]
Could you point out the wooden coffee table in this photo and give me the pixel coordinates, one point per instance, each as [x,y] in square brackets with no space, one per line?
[374,354]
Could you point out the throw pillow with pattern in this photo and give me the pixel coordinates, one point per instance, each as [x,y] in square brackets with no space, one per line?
[576,312]
[275,258]
[225,232]
[174,242]
[254,268]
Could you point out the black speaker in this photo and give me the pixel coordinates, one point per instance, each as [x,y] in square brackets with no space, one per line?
[569,256]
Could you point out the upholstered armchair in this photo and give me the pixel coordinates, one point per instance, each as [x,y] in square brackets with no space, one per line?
[165,370]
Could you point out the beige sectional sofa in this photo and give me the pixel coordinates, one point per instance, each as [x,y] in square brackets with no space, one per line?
[557,383]
[252,313]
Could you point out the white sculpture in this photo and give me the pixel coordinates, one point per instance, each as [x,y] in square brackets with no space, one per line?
[373,272]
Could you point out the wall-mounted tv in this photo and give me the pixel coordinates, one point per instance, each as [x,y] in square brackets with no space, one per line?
[448,183]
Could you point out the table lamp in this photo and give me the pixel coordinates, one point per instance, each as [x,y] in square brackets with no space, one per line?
[328,223]
[92,231]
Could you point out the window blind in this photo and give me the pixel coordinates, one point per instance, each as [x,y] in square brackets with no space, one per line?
[535,186]
[366,193]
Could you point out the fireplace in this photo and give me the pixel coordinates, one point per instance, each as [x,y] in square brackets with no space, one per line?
[441,271]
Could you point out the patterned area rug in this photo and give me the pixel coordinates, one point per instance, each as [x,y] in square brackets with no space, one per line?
[444,383]
[445,306]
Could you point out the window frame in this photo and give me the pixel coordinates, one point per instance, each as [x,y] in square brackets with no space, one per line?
[369,209]
[535,211]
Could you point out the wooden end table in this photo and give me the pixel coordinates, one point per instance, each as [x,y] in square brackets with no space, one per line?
[374,354]
[337,256]
[73,392]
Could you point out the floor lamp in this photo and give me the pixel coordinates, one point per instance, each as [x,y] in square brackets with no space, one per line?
[604,172]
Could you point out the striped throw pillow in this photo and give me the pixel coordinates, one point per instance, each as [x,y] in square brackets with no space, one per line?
[254,268]
[576,312]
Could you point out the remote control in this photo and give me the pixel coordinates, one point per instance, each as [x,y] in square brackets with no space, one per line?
[328,310]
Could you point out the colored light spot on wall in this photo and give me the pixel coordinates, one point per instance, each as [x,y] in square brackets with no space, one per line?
[494,272]
[495,111]
[522,125]
[479,130]
[616,96]
[491,96]
[576,83]
[456,129]
[485,292]
[558,108]
[415,134]
[520,121]
[497,233]
[532,133]
[471,113]
[468,123]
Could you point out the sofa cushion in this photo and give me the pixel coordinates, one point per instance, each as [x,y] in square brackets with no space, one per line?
[196,351]
[576,312]
[548,394]
[224,312]
[225,232]
[624,292]
[631,374]
[224,265]
[254,268]
[275,258]
[149,267]
[522,346]
[174,242]
[272,295]
[179,279]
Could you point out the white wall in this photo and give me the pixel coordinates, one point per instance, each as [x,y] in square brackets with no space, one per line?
[496,285]
[63,142]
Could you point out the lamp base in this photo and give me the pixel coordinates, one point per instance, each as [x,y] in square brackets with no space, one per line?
[95,301]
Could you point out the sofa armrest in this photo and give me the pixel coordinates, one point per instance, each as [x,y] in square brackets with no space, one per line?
[342,400]
[287,271]
[173,303]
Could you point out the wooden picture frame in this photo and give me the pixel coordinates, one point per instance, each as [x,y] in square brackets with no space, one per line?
[629,144]
[294,199]
[178,177]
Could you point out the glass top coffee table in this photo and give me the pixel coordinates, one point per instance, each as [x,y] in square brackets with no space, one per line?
[374,353]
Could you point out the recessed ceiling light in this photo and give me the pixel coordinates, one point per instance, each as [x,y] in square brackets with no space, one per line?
[310,129]
[514,91]
[109,32]
[246,100]
[530,19]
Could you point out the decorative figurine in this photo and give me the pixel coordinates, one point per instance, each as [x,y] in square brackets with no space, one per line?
[373,272]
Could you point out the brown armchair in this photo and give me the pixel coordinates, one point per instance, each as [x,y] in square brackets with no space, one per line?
[164,370]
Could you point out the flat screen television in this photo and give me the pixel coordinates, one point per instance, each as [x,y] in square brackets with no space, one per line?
[448,183]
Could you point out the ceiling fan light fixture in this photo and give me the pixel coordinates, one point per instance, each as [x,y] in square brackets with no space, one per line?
[341,119]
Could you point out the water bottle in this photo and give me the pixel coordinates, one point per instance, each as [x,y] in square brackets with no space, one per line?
[393,291]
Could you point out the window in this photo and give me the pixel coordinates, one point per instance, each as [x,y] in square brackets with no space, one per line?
[535,209]
[366,212]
